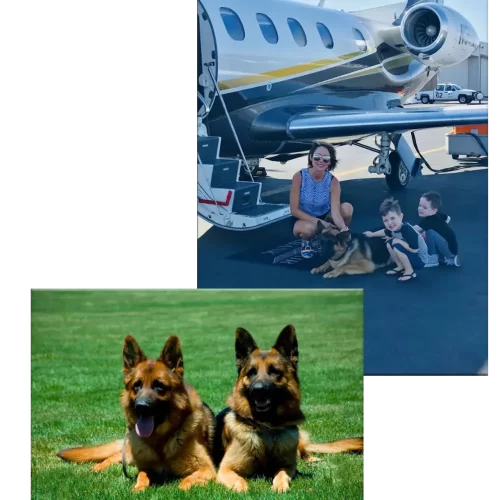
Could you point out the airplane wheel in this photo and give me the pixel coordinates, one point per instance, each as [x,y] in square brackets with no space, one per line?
[399,177]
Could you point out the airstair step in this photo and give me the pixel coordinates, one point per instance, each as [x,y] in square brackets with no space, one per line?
[208,148]
[224,171]
[245,195]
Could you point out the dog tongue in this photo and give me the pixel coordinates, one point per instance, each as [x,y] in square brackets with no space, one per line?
[145,426]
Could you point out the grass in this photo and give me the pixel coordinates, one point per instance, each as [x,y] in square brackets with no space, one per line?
[76,378]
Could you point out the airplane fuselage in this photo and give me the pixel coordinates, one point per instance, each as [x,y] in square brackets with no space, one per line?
[346,66]
[276,59]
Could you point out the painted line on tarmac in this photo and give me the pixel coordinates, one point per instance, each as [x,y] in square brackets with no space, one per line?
[284,189]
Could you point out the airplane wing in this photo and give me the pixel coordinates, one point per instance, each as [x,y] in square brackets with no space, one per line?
[321,123]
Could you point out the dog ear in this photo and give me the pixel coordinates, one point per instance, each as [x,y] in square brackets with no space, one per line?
[287,345]
[344,236]
[132,354]
[171,355]
[244,346]
[319,227]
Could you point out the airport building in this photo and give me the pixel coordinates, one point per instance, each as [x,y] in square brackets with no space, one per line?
[469,74]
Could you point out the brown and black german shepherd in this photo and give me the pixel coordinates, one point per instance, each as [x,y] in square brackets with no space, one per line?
[258,434]
[170,430]
[350,253]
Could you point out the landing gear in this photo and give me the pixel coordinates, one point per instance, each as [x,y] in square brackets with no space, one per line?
[397,165]
[399,177]
[255,169]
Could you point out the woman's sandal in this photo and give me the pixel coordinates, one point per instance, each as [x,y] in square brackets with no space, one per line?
[393,272]
[409,277]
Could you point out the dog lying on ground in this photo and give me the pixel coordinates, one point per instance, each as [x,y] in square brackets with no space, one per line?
[170,430]
[350,253]
[258,434]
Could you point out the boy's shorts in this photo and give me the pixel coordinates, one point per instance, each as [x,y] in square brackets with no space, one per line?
[415,260]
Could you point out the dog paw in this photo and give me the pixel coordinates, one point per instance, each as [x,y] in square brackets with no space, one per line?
[100,467]
[186,483]
[315,271]
[281,483]
[239,485]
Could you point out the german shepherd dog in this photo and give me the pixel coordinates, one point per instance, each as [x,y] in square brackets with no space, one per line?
[170,430]
[350,253]
[258,434]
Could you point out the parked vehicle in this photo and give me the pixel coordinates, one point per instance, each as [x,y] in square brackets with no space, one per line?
[449,92]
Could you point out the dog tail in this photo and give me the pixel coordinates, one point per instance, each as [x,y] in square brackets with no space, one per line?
[352,445]
[91,454]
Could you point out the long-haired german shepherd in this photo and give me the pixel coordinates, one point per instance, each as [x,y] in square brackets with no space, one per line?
[258,433]
[350,253]
[170,430]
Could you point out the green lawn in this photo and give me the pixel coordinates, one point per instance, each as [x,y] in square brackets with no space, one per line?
[76,379]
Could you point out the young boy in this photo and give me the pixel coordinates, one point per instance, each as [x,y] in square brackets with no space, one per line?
[405,245]
[441,240]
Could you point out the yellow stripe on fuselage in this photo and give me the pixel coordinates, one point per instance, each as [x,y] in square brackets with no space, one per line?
[284,72]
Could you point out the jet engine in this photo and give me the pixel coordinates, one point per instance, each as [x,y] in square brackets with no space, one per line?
[437,35]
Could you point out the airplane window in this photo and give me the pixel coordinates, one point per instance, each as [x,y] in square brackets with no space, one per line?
[268,29]
[297,31]
[232,23]
[325,35]
[360,40]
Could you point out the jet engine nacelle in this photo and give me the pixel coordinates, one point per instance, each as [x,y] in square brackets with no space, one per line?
[437,35]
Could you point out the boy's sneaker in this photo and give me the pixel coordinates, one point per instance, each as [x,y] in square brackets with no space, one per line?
[433,261]
[306,251]
[454,261]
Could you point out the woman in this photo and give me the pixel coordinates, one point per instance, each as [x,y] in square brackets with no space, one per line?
[315,195]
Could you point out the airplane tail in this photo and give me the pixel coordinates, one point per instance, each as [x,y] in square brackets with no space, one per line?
[91,454]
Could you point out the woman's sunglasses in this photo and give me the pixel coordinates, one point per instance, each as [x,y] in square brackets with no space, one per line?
[317,157]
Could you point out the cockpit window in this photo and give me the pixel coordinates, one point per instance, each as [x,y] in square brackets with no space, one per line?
[268,29]
[297,31]
[232,22]
[325,35]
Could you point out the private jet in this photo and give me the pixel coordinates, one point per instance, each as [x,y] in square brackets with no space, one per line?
[275,75]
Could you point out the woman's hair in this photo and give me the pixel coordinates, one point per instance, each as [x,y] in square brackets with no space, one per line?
[331,150]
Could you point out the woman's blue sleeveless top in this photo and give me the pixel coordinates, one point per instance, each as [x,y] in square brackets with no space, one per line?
[315,195]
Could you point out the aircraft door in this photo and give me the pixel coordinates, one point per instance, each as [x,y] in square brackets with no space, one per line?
[207,54]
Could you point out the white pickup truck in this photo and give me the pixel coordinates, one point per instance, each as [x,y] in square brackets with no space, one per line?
[449,92]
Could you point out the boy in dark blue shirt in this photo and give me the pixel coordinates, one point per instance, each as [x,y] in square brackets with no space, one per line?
[405,245]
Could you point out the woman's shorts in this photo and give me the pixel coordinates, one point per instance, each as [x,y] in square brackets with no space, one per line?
[326,217]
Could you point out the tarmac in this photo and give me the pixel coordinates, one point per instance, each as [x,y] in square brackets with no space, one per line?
[434,325]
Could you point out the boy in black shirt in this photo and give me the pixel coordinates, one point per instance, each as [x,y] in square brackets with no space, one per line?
[441,240]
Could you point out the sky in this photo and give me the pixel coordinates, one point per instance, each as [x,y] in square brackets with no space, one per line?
[475,11]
